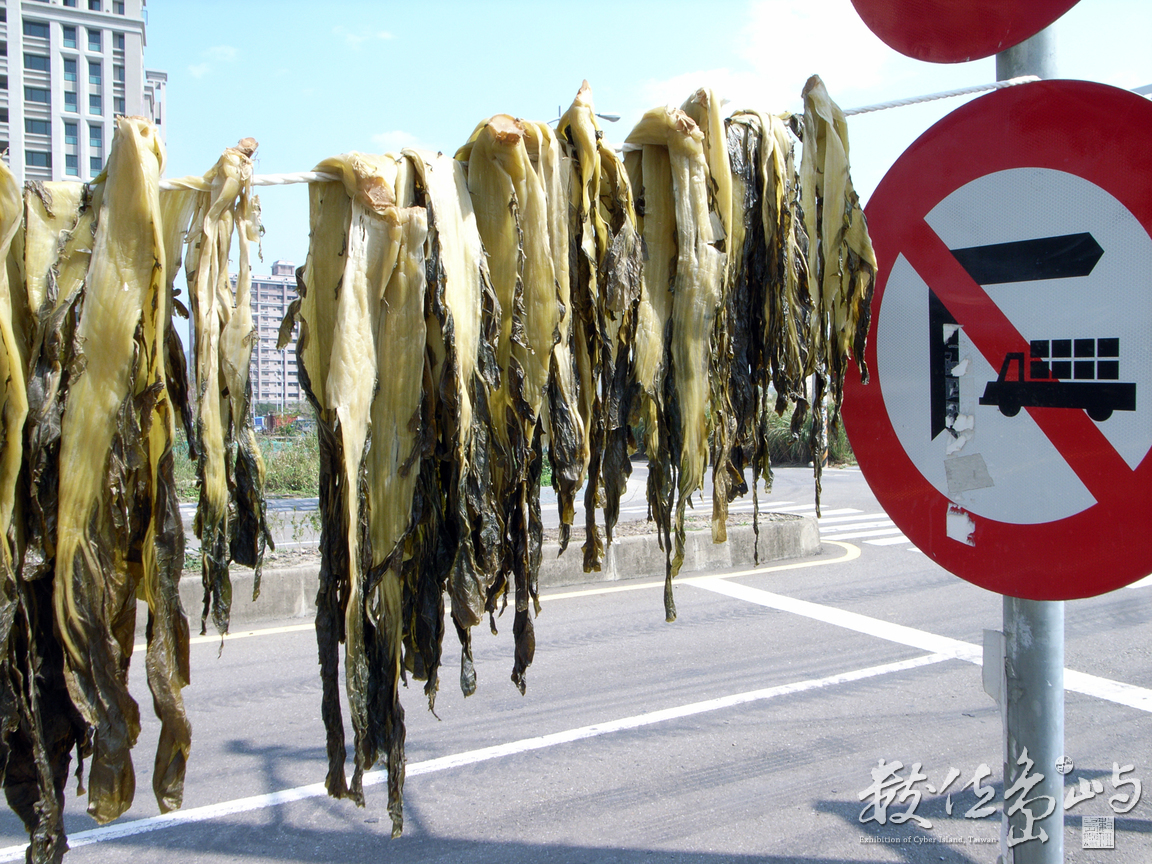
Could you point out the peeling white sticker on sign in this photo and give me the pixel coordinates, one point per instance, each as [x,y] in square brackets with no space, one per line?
[960,526]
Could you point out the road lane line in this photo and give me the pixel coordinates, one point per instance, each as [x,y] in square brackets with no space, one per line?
[471,757]
[243,634]
[1129,695]
[851,553]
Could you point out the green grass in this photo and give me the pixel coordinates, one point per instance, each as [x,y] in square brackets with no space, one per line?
[291,467]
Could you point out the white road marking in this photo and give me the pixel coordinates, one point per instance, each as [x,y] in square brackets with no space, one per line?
[941,648]
[471,757]
[244,634]
[829,520]
[798,508]
[875,532]
[1130,695]
[855,526]
[888,541]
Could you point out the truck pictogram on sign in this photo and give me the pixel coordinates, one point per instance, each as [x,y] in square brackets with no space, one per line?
[1063,373]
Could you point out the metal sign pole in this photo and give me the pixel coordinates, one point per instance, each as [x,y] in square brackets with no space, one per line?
[1032,648]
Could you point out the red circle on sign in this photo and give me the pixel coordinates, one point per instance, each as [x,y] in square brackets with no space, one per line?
[1097,133]
[948,31]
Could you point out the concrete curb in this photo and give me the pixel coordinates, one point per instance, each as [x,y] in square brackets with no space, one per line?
[290,592]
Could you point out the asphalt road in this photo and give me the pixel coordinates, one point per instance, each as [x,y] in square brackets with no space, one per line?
[744,732]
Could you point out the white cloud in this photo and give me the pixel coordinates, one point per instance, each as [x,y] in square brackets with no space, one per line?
[779,47]
[785,45]
[221,52]
[356,39]
[213,55]
[395,141]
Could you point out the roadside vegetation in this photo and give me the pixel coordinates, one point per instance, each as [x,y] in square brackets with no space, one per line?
[292,458]
[787,450]
[291,465]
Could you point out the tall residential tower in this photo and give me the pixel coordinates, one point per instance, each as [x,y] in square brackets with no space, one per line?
[273,373]
[67,68]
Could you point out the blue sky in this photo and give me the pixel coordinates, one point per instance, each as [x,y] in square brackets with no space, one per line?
[310,80]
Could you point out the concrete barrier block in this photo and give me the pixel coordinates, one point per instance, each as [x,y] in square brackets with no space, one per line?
[291,592]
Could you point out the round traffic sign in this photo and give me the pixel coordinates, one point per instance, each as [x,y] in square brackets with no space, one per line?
[947,31]
[1008,426]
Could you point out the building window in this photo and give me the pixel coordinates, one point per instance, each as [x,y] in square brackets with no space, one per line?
[69,68]
[94,39]
[118,7]
[37,62]
[70,135]
[120,106]
[118,41]
[118,74]
[96,163]
[36,127]
[36,29]
[71,3]
[3,82]
[3,115]
[93,5]
[72,165]
[70,102]
[94,72]
[36,94]
[69,37]
[3,49]
[95,136]
[95,105]
[36,159]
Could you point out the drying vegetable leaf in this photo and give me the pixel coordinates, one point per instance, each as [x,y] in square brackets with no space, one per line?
[758,344]
[679,320]
[362,295]
[605,295]
[249,534]
[230,518]
[318,286]
[34,742]
[118,527]
[457,536]
[841,262]
[512,214]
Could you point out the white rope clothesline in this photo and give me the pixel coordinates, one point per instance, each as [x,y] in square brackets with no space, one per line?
[197,184]
[947,94]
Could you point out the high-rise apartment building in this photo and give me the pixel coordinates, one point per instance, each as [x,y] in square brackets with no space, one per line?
[67,68]
[272,372]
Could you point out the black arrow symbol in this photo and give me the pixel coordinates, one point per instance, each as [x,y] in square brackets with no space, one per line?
[1031,260]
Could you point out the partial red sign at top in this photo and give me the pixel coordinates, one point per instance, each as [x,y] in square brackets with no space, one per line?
[953,31]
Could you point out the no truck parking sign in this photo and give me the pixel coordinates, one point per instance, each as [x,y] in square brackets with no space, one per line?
[1008,427]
